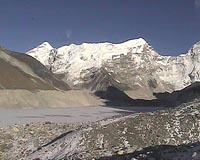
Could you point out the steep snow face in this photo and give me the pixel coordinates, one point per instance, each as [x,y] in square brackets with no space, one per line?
[73,59]
[41,53]
[133,63]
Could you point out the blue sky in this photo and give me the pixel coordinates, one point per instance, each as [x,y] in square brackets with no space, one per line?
[170,26]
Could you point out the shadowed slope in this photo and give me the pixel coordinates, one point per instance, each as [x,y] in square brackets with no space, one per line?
[189,151]
[115,97]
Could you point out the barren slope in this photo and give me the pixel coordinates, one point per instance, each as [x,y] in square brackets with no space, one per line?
[20,71]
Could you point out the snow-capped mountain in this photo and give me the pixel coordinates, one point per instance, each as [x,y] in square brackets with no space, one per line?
[131,66]
[73,59]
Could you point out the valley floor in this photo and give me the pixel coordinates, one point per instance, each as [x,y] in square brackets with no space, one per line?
[66,115]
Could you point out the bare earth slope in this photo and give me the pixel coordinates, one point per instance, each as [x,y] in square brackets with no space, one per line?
[19,71]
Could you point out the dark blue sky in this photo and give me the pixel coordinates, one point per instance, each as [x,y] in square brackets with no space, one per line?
[170,26]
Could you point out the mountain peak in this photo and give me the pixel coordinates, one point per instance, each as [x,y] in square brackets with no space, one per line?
[139,41]
[42,52]
[46,45]
[195,49]
[197,45]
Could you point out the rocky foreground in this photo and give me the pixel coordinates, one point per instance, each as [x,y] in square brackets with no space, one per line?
[20,140]
[169,135]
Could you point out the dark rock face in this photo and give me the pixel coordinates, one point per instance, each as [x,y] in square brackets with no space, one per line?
[20,71]
[95,79]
